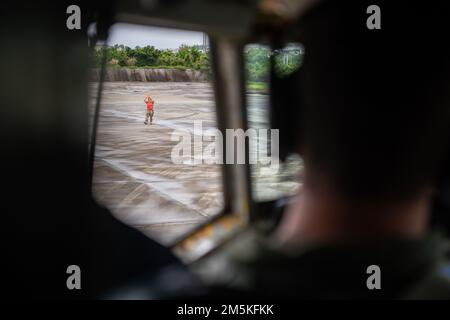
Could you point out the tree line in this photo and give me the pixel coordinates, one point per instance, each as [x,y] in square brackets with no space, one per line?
[257,59]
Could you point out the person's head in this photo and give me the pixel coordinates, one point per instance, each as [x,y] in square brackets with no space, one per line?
[374,112]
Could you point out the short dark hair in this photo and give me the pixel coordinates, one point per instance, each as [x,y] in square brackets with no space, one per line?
[375,104]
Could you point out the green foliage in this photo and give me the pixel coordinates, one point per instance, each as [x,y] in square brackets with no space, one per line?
[258,86]
[258,59]
[257,63]
[287,61]
[146,56]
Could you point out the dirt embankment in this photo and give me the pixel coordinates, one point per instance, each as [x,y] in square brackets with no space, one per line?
[150,75]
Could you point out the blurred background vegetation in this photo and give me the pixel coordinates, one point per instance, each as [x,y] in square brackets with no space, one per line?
[185,57]
[257,60]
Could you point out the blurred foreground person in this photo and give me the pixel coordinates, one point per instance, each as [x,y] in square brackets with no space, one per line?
[372,113]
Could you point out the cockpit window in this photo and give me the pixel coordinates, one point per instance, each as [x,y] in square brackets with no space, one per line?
[288,59]
[157,107]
